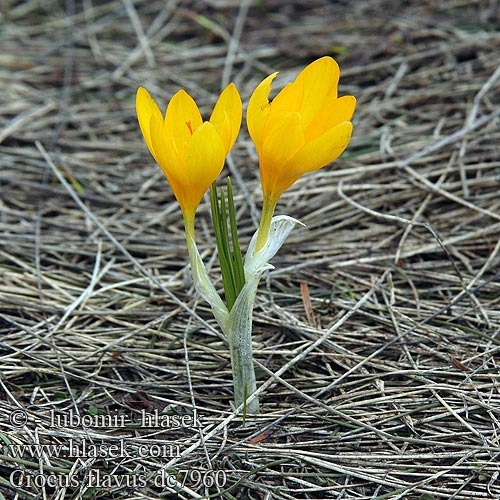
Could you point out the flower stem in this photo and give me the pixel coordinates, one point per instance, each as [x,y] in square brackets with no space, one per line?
[243,376]
[189,227]
[237,322]
[265,221]
[197,267]
[240,342]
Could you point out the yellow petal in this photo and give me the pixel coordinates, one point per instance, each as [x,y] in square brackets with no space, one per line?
[334,112]
[283,137]
[319,80]
[182,119]
[258,110]
[203,162]
[226,116]
[146,107]
[288,99]
[320,151]
[167,157]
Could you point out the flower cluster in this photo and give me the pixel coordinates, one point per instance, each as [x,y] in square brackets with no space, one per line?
[305,127]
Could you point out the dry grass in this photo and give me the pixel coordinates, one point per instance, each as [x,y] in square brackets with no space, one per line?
[376,335]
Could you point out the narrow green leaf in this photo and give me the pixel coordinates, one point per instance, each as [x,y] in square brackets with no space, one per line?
[219,220]
[223,226]
[239,270]
[227,250]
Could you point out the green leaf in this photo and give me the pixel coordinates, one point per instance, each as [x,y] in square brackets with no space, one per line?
[230,259]
[239,269]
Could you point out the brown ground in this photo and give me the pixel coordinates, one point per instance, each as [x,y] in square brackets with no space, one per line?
[376,337]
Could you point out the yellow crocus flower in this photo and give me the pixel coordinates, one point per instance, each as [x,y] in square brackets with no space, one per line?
[190,152]
[305,127]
